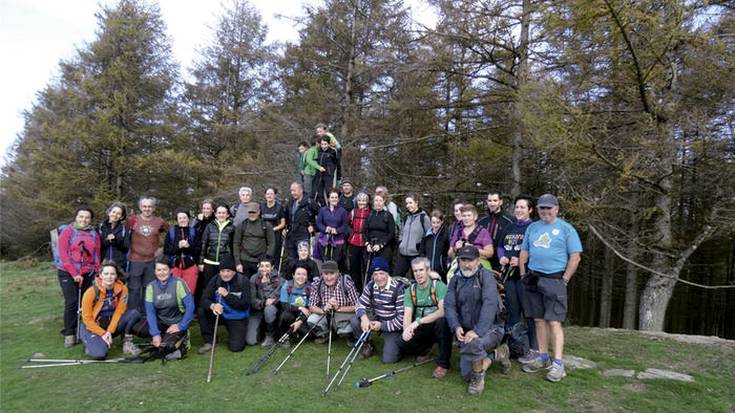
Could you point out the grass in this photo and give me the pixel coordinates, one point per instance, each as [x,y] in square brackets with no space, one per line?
[30,320]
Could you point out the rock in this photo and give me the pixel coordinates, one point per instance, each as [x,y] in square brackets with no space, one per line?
[574,362]
[619,373]
[650,374]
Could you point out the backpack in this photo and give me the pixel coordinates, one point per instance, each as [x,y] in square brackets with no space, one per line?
[432,293]
[75,234]
[289,288]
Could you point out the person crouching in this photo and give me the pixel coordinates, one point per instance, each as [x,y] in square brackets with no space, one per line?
[227,295]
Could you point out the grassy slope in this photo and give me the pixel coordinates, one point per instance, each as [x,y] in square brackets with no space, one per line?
[30,319]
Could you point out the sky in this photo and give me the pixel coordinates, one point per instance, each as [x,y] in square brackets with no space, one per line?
[36,35]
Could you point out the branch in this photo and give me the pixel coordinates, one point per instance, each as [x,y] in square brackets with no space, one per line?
[684,256]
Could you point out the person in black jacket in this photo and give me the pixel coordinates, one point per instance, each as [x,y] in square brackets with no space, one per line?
[300,220]
[115,235]
[229,296]
[327,169]
[217,243]
[496,221]
[380,229]
[435,245]
[182,248]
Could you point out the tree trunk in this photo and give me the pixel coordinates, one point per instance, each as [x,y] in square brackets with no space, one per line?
[631,274]
[608,275]
[347,92]
[521,78]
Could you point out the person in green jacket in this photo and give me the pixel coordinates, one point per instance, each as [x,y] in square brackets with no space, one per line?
[311,169]
[303,146]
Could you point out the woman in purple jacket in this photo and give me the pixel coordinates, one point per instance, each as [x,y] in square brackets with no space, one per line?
[332,224]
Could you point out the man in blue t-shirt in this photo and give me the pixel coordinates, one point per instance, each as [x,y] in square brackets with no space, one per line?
[550,255]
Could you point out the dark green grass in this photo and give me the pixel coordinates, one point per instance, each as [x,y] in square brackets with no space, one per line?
[30,320]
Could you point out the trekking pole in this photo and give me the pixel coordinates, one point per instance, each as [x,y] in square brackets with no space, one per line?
[211,354]
[330,247]
[355,349]
[65,362]
[79,311]
[277,369]
[329,346]
[367,269]
[367,383]
[258,364]
[354,356]
[280,257]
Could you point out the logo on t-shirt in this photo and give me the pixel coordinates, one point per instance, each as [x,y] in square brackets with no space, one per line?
[543,241]
[145,230]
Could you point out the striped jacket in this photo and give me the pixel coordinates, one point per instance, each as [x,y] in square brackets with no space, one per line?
[385,303]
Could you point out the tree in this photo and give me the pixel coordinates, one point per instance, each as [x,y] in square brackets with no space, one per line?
[624,85]
[100,131]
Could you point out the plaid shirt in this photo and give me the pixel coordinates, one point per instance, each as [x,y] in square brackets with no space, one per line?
[322,293]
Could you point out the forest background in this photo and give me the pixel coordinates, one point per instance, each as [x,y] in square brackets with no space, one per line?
[624,109]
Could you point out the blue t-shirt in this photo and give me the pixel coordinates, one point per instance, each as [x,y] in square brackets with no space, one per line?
[298,297]
[549,245]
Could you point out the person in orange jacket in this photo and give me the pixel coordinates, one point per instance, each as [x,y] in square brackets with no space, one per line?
[105,314]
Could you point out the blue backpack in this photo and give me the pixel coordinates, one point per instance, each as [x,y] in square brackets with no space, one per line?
[55,242]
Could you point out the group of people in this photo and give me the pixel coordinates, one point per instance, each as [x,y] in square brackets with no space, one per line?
[495,285]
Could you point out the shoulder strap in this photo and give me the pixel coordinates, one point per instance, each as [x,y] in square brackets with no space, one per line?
[432,292]
[96,294]
[474,234]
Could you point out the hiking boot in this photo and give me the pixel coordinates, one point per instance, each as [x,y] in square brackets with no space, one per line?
[176,355]
[477,383]
[556,373]
[268,341]
[130,348]
[69,341]
[439,372]
[321,340]
[502,356]
[367,351]
[206,348]
[424,357]
[536,365]
[528,357]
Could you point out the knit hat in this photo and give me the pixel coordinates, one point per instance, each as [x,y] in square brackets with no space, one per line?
[379,264]
[226,262]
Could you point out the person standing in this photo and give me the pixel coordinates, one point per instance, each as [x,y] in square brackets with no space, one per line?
[218,241]
[332,223]
[300,217]
[272,211]
[380,231]
[415,224]
[347,197]
[78,262]
[550,254]
[255,241]
[435,246]
[356,240]
[495,221]
[145,245]
[239,211]
[115,235]
[515,292]
[182,248]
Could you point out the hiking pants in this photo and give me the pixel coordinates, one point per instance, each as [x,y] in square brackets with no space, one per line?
[95,346]
[424,338]
[70,289]
[341,324]
[391,349]
[236,329]
[140,274]
[268,315]
[478,350]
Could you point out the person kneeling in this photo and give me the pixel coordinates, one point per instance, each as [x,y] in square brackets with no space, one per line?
[383,298]
[169,308]
[104,314]
[294,300]
[425,300]
[474,318]
[336,294]
[227,295]
[265,286]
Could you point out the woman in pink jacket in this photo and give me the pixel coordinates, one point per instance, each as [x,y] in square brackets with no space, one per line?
[78,262]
